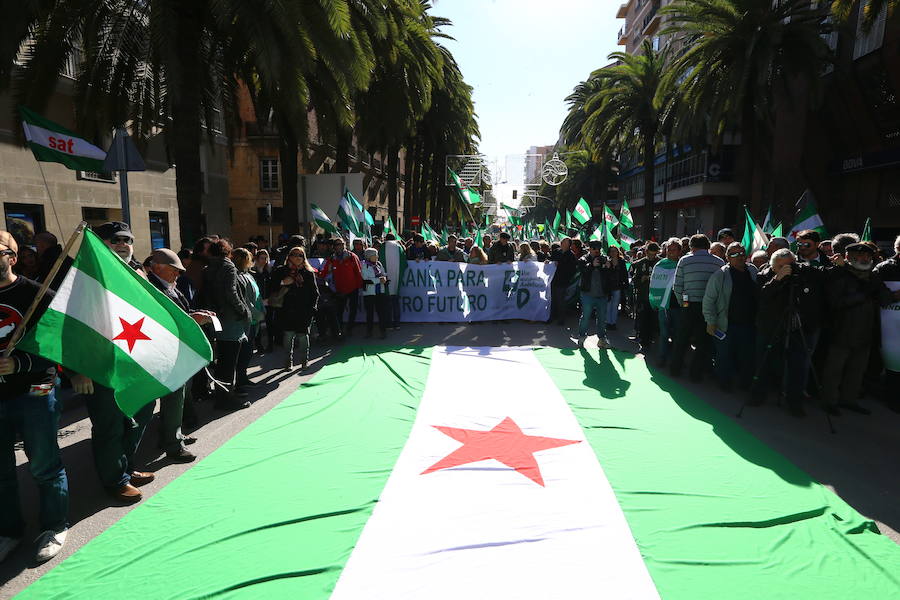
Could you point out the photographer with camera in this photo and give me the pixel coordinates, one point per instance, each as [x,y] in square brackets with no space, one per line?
[596,288]
[791,311]
[855,296]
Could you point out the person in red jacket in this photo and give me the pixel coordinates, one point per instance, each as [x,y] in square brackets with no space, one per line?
[345,271]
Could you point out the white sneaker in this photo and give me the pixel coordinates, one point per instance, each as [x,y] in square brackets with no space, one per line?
[603,343]
[581,339]
[49,544]
[7,545]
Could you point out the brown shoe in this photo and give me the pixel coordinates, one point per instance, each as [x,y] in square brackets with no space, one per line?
[140,478]
[127,493]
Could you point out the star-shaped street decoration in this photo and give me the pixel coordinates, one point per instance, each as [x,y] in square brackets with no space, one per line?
[504,443]
[131,332]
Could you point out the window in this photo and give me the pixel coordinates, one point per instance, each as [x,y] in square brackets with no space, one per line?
[268,174]
[99,176]
[23,221]
[95,215]
[159,230]
[871,41]
[262,218]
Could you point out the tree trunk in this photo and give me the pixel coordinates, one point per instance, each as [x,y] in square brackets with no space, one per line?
[287,157]
[342,150]
[649,152]
[186,128]
[393,162]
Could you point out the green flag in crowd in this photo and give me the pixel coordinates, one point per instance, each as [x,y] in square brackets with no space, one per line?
[807,217]
[466,194]
[556,221]
[582,212]
[754,239]
[322,220]
[625,216]
[389,226]
[867,231]
[768,225]
[777,232]
[609,217]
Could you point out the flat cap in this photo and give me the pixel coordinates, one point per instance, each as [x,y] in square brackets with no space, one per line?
[107,231]
[164,256]
[860,247]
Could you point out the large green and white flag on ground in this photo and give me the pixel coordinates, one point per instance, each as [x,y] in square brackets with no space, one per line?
[112,325]
[582,211]
[610,217]
[51,142]
[625,215]
[754,239]
[807,217]
[466,194]
[321,219]
[587,477]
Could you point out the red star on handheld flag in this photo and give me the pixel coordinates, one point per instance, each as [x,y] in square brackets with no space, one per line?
[504,443]
[131,333]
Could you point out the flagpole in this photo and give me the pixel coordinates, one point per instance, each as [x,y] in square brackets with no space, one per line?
[50,196]
[20,328]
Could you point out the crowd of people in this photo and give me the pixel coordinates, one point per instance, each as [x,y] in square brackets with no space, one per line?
[803,324]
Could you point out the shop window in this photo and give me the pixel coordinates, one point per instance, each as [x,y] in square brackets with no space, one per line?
[23,221]
[159,230]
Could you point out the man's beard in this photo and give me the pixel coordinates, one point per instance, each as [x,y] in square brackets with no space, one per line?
[5,271]
[861,266]
[125,254]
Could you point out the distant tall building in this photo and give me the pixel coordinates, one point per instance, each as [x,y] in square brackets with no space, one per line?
[534,161]
[642,22]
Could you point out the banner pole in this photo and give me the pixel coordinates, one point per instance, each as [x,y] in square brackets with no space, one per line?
[20,328]
[50,196]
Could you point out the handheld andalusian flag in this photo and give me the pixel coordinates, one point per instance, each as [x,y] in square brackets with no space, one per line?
[609,217]
[444,236]
[568,220]
[466,194]
[807,217]
[347,215]
[867,231]
[389,226]
[625,216]
[777,232]
[768,225]
[321,219]
[548,490]
[479,238]
[557,220]
[754,239]
[582,212]
[509,209]
[625,237]
[112,325]
[51,142]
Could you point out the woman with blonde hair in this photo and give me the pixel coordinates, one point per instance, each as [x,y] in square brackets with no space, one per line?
[477,256]
[296,292]
[526,253]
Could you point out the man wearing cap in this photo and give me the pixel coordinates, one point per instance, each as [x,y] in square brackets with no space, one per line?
[165,268]
[115,437]
[854,295]
[28,408]
[502,251]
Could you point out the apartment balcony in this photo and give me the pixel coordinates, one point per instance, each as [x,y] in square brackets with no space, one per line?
[623,11]
[623,36]
[652,20]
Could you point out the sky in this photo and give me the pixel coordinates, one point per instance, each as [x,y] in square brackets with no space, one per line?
[523,57]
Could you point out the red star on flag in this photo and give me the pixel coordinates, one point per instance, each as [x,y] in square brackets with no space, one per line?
[504,443]
[131,332]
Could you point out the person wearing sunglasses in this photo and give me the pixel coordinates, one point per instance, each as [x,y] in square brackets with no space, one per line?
[808,249]
[729,309]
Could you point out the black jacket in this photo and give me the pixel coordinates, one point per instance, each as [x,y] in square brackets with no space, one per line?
[500,254]
[641,270]
[221,293]
[566,265]
[588,271]
[620,275]
[30,369]
[889,270]
[300,301]
[807,288]
[172,293]
[854,302]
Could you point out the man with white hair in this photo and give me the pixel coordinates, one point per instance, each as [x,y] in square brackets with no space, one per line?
[889,272]
[855,295]
[791,308]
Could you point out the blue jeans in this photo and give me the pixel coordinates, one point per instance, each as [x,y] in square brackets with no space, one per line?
[735,355]
[668,323]
[36,419]
[115,437]
[612,307]
[591,304]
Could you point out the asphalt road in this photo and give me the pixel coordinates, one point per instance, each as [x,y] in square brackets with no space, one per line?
[859,463]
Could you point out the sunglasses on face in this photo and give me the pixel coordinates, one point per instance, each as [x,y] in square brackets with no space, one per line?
[805,244]
[7,252]
[120,240]
[736,254]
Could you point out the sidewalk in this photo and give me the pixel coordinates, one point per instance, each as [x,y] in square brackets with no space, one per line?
[854,463]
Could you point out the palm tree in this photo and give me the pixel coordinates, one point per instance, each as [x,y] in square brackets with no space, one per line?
[621,109]
[742,55]
[169,65]
[843,9]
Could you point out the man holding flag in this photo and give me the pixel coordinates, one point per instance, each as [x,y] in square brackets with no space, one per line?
[29,408]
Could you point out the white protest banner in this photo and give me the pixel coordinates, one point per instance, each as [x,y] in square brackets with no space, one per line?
[437,291]
[890,331]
